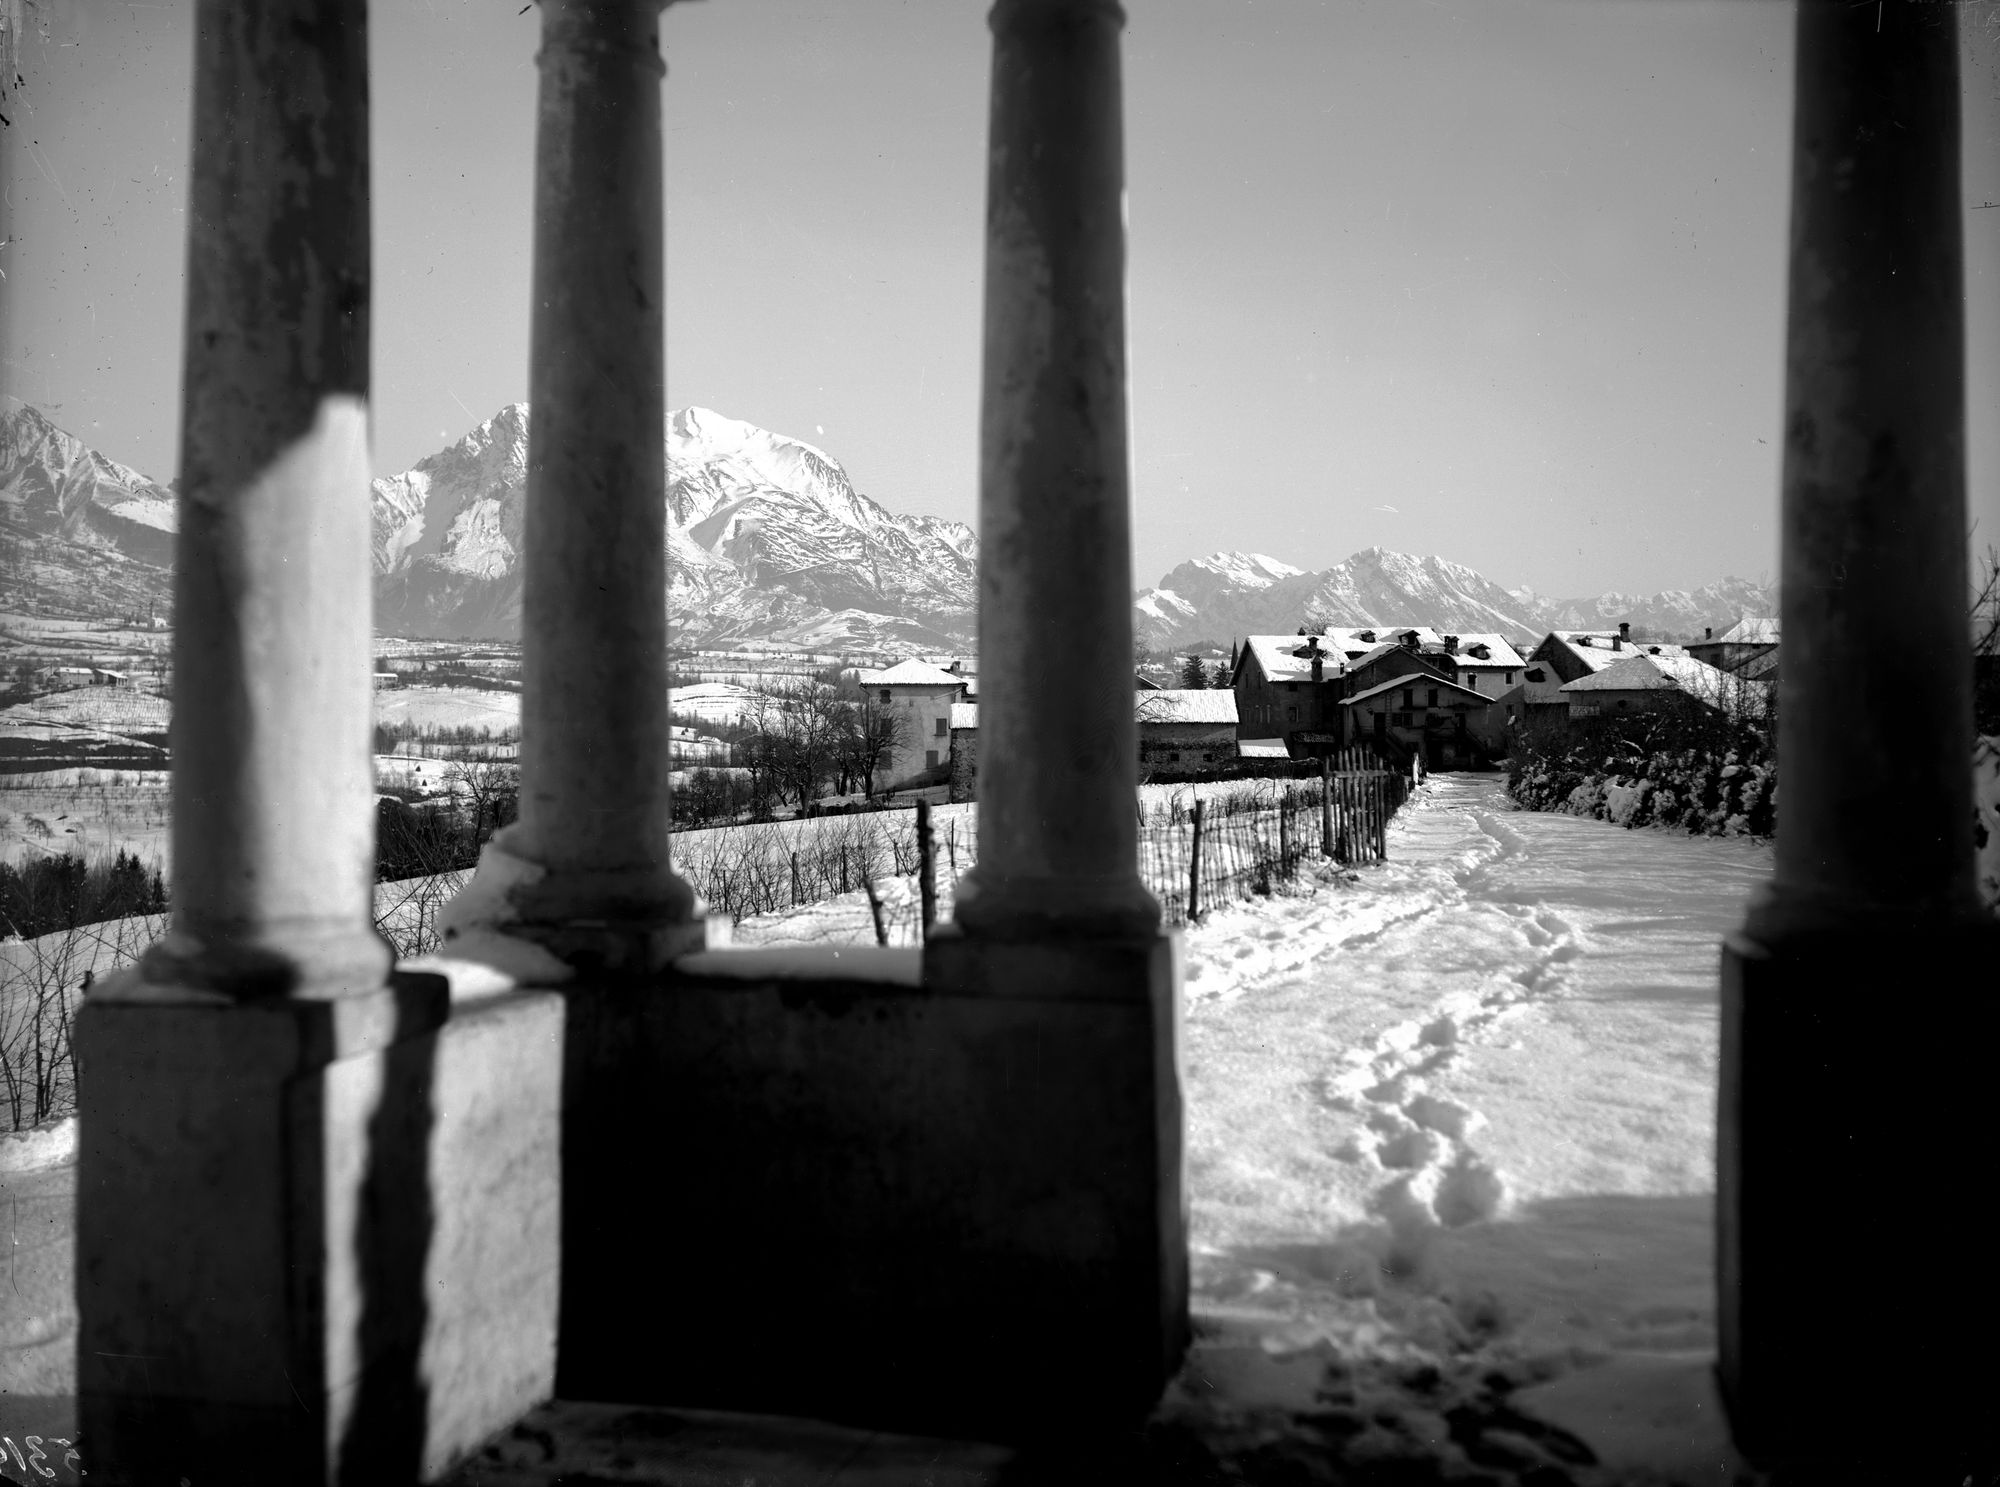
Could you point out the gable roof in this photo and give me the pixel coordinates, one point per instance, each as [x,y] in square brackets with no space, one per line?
[1593,648]
[912,674]
[1753,630]
[1276,661]
[1412,681]
[1646,673]
[1500,652]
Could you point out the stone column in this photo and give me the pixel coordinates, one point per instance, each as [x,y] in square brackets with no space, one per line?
[273,785]
[1056,954]
[594,755]
[1058,766]
[1862,982]
[252,1211]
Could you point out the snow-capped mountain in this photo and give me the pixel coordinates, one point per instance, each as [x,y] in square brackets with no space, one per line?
[1671,611]
[52,484]
[766,538]
[1215,599]
[81,534]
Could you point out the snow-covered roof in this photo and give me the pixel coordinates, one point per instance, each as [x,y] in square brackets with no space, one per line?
[1754,630]
[912,674]
[1187,705]
[1275,658]
[1645,671]
[1594,648]
[1262,748]
[1414,680]
[1500,652]
[1356,641]
[964,715]
[1710,684]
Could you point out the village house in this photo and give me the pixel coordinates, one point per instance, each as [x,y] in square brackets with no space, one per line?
[1289,685]
[1749,648]
[1537,695]
[1419,712]
[920,696]
[1489,664]
[1184,728]
[1179,729]
[1572,654]
[1648,682]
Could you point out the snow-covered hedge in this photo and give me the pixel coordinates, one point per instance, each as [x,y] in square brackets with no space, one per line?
[1707,776]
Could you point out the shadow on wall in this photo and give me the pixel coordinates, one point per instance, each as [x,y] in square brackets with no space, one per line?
[385,1435]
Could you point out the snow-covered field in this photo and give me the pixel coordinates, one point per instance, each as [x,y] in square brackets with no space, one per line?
[449,707]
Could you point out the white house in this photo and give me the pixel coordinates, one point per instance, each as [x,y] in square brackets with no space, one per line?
[921,696]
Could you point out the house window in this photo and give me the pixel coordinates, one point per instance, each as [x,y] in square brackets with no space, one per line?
[1510,678]
[941,727]
[930,758]
[885,694]
[1403,721]
[1381,723]
[1409,696]
[1432,700]
[1174,755]
[1291,715]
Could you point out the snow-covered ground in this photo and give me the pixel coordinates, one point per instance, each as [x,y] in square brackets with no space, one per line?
[1460,1106]
[1456,1111]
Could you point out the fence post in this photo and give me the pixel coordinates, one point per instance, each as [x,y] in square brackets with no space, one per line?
[1326,807]
[926,868]
[1285,835]
[795,879]
[1194,865]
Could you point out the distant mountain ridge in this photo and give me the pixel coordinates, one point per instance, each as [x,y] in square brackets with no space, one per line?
[767,541]
[1213,600]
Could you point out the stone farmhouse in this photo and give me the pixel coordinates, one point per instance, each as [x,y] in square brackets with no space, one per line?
[1422,714]
[920,696]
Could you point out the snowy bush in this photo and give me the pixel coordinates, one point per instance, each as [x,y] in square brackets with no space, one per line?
[1696,771]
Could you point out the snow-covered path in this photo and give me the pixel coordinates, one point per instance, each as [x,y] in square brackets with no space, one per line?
[1466,1098]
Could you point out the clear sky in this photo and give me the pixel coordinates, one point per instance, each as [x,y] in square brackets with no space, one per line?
[1500,280]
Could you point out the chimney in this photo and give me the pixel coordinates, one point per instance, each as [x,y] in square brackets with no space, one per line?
[1618,640]
[1624,629]
[1708,632]
[1319,666]
[1409,640]
[1451,645]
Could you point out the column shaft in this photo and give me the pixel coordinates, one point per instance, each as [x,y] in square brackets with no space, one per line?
[273,786]
[594,760]
[1877,668]
[1058,767]
[1867,953]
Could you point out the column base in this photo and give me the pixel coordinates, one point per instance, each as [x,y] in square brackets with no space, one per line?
[1857,1298]
[316,1239]
[602,923]
[992,907]
[945,1208]
[289,960]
